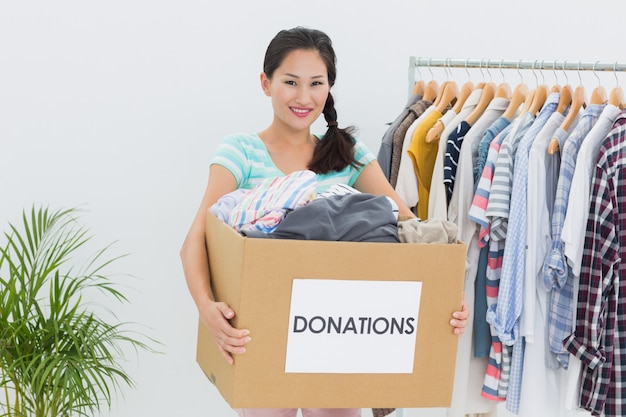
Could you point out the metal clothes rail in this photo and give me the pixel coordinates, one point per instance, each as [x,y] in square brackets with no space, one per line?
[427,62]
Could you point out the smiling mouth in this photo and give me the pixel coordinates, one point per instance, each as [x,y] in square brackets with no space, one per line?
[300,112]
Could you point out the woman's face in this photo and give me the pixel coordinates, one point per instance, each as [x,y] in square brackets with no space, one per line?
[298,88]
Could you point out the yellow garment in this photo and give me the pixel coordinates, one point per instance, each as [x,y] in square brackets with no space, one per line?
[424,156]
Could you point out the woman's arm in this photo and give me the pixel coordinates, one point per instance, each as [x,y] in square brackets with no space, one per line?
[194,257]
[372,180]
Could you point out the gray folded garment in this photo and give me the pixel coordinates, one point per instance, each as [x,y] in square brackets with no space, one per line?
[427,231]
[358,217]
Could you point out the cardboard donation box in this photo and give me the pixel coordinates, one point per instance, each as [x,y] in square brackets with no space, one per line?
[334,324]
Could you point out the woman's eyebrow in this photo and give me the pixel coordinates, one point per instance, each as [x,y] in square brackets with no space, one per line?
[296,76]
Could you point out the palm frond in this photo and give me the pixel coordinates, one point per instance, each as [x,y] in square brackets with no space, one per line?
[57,356]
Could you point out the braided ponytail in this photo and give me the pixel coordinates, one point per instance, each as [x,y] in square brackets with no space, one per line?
[336,150]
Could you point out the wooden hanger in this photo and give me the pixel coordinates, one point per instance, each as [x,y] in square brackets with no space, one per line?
[431,91]
[598,96]
[555,89]
[528,102]
[517,98]
[503,90]
[466,90]
[448,94]
[489,92]
[539,98]
[565,99]
[419,87]
[578,100]
[434,133]
[442,88]
[616,97]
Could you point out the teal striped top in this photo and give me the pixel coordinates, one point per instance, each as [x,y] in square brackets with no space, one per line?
[247,158]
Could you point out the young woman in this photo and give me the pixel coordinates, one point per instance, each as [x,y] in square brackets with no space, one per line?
[298,73]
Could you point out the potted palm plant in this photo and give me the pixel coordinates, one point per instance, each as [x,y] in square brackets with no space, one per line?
[60,354]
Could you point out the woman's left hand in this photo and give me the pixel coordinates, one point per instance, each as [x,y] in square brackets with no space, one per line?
[459,319]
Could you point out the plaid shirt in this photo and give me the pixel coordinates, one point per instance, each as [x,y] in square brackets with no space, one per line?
[556,273]
[599,339]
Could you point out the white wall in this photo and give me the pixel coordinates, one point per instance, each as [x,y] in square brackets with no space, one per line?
[117,107]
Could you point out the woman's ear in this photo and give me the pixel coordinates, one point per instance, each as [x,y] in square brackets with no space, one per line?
[265,84]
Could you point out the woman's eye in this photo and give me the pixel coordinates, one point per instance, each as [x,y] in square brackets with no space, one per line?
[290,82]
[317,83]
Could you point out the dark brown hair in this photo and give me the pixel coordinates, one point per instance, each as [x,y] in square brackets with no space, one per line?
[336,150]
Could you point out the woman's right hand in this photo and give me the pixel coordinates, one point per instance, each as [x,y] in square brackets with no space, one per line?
[229,340]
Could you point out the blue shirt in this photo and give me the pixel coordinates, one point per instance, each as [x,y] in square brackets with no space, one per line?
[556,273]
[483,147]
[510,297]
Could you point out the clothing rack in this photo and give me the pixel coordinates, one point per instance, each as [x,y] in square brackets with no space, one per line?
[427,62]
[416,62]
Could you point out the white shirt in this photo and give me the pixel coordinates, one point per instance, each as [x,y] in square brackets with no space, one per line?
[470,371]
[538,238]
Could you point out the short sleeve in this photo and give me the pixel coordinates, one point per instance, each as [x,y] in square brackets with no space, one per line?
[231,154]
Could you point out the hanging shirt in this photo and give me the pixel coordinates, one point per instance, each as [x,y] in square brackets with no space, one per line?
[406,184]
[386,144]
[453,148]
[437,200]
[457,212]
[467,158]
[542,170]
[461,195]
[510,298]
[483,147]
[556,274]
[498,212]
[399,147]
[470,371]
[423,156]
[500,196]
[599,340]
[573,235]
[498,209]
[477,214]
[539,382]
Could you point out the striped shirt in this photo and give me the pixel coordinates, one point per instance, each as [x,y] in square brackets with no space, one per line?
[499,198]
[477,214]
[510,299]
[483,147]
[498,209]
[451,158]
[264,206]
[247,158]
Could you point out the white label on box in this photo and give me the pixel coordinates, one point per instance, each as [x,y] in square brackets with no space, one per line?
[346,326]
